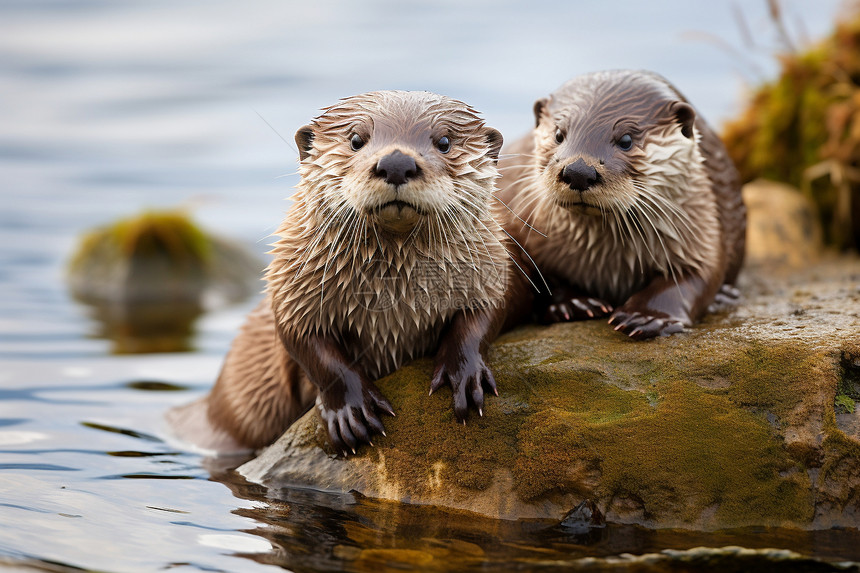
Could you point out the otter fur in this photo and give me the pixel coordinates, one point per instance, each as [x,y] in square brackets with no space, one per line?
[389,252]
[628,203]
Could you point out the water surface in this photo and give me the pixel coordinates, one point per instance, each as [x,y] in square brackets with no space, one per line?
[107,108]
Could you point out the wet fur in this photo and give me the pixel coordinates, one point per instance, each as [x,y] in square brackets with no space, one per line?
[347,301]
[346,270]
[665,215]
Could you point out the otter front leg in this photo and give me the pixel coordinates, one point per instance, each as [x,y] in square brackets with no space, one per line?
[460,359]
[664,307]
[348,402]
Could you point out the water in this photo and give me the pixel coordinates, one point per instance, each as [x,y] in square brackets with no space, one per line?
[107,108]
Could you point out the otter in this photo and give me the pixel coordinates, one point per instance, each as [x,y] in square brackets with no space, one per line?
[628,202]
[389,252]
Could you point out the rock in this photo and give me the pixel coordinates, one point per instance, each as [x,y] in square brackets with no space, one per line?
[147,279]
[783,226]
[583,518]
[160,257]
[747,419]
[730,424]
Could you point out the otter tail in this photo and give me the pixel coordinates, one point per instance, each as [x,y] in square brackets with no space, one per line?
[259,393]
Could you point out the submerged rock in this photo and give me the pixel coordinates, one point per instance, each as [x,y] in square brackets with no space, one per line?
[147,278]
[746,419]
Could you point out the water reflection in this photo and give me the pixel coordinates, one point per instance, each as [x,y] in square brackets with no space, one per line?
[145,328]
[316,531]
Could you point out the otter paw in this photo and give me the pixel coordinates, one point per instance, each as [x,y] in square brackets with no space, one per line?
[639,326]
[355,421]
[576,308]
[727,297]
[467,380]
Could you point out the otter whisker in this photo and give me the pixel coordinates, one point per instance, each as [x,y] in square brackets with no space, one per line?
[326,267]
[447,254]
[474,250]
[330,221]
[532,204]
[534,264]
[526,252]
[526,275]
[290,145]
[525,178]
[363,236]
[680,214]
[463,200]
[629,226]
[447,220]
[668,258]
[667,225]
[494,196]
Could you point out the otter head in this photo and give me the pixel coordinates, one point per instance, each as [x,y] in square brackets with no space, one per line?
[607,141]
[396,160]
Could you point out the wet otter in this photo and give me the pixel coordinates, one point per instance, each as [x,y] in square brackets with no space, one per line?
[389,252]
[638,200]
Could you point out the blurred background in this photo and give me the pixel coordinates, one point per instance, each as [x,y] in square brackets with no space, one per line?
[109,108]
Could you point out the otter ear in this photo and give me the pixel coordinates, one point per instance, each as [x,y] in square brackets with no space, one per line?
[305,141]
[494,141]
[538,109]
[686,116]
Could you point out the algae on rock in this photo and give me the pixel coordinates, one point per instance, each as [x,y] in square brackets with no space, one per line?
[730,424]
[804,129]
[147,278]
[736,422]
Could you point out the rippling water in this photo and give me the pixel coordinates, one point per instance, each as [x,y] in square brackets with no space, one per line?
[110,107]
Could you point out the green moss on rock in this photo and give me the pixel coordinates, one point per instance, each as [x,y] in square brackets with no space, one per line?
[730,424]
[803,128]
[146,278]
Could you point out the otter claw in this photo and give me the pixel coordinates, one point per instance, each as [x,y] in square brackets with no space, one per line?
[468,380]
[576,308]
[640,326]
[351,418]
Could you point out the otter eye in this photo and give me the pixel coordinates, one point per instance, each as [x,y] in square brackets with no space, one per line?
[444,144]
[559,136]
[625,142]
[356,142]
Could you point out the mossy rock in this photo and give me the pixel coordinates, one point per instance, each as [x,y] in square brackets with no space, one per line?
[148,278]
[803,128]
[160,257]
[747,419]
[730,424]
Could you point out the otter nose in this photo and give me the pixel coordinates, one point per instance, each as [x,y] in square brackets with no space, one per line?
[579,175]
[396,168]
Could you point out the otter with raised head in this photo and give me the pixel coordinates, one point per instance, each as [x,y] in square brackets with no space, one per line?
[389,252]
[628,203]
